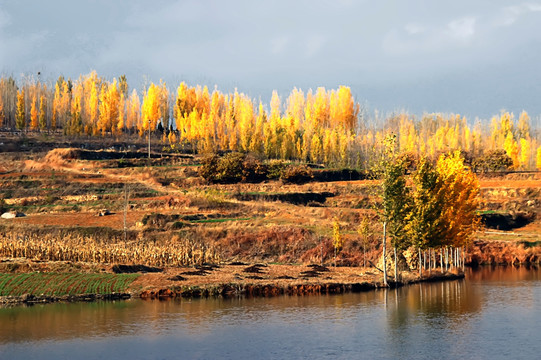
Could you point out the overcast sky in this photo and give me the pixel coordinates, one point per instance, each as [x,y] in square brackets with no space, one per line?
[468,57]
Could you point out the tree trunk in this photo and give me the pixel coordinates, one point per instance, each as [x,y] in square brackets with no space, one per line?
[321,247]
[364,254]
[395,266]
[463,253]
[429,261]
[441,258]
[125,212]
[384,254]
[420,270]
[149,139]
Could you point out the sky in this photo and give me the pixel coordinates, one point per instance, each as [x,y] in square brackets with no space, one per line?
[468,57]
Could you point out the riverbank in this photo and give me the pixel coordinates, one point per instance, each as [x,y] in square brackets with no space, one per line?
[69,282]
[267,290]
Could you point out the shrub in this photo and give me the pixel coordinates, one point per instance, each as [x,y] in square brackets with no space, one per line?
[209,168]
[253,170]
[275,169]
[297,174]
[230,168]
[3,206]
[494,160]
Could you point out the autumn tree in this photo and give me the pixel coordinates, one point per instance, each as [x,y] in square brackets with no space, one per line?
[365,232]
[42,113]
[2,113]
[444,204]
[108,108]
[460,191]
[151,111]
[424,222]
[33,115]
[394,201]
[20,115]
[91,127]
[337,238]
[74,125]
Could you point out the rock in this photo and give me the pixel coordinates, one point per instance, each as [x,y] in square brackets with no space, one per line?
[12,215]
[104,212]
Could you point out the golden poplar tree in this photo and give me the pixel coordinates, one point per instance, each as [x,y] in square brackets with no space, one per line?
[257,142]
[57,106]
[108,108]
[460,189]
[2,114]
[511,148]
[93,110]
[231,123]
[524,159]
[524,125]
[150,112]
[133,116]
[42,113]
[34,115]
[121,123]
[538,158]
[217,113]
[20,116]
[316,149]
[245,118]
[321,108]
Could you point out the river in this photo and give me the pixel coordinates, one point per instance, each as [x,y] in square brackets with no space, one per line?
[493,314]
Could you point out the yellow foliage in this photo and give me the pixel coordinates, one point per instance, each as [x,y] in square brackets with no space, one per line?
[34,115]
[538,158]
[524,153]
[338,240]
[511,148]
[460,189]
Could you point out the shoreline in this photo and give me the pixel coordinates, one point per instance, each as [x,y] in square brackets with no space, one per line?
[30,299]
[229,290]
[269,290]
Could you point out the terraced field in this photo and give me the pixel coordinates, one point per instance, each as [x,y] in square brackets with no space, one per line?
[59,284]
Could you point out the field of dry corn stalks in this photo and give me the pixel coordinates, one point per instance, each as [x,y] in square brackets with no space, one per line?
[178,252]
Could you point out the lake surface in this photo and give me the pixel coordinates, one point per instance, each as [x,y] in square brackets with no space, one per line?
[493,314]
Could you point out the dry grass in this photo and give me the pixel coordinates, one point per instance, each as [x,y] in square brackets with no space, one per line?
[276,231]
[106,250]
[271,274]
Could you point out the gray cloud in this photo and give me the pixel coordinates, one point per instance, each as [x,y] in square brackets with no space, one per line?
[478,57]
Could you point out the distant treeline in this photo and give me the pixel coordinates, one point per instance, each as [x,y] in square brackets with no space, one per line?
[322,126]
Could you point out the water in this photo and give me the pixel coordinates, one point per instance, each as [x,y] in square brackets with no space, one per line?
[494,314]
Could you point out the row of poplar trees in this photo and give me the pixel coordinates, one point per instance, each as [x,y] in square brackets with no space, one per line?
[322,126]
[434,210]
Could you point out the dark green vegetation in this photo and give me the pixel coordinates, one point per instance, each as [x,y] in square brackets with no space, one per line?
[58,284]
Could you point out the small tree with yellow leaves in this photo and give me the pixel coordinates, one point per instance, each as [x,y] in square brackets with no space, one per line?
[365,232]
[337,239]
